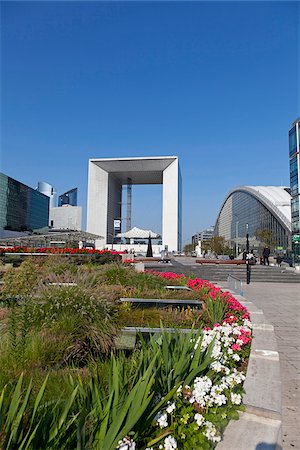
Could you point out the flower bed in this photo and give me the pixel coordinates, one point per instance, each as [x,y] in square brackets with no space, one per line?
[197,414]
[173,391]
[58,251]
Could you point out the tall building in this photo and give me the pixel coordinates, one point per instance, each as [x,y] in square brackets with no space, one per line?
[264,212]
[21,207]
[47,189]
[106,179]
[294,153]
[68,198]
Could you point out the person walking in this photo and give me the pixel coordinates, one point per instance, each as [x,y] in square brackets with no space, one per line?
[279,260]
[266,254]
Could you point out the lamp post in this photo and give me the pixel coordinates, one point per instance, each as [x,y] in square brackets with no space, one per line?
[236,238]
[248,273]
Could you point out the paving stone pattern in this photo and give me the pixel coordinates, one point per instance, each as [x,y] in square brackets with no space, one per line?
[281,306]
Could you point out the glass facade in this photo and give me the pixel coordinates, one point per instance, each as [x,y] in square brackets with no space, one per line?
[21,207]
[294,152]
[242,212]
[68,198]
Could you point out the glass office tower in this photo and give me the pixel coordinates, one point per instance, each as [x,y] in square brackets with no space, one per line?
[261,211]
[68,198]
[294,149]
[21,207]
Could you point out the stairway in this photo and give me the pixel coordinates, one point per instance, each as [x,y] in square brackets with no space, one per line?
[216,272]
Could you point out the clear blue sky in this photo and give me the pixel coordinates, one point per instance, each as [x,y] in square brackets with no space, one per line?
[216,83]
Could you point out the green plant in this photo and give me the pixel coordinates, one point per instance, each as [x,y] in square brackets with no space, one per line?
[43,426]
[215,309]
[19,283]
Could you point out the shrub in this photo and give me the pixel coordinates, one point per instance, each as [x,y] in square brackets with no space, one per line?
[19,283]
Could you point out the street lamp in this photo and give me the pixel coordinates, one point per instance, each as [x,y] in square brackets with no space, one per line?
[236,234]
[236,238]
[248,272]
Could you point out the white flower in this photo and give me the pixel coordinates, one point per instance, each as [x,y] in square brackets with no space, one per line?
[247,323]
[236,398]
[199,419]
[161,419]
[236,357]
[170,443]
[216,366]
[211,432]
[170,408]
[126,444]
[202,386]
[179,390]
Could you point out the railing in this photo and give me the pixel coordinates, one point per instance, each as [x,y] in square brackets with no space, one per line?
[234,284]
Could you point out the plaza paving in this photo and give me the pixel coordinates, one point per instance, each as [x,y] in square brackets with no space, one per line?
[281,306]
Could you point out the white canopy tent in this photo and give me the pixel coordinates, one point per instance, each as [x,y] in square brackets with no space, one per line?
[138,233]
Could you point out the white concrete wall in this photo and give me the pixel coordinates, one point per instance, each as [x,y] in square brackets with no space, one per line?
[97,202]
[170,220]
[66,217]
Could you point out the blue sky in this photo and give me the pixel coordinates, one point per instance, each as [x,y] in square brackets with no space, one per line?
[216,83]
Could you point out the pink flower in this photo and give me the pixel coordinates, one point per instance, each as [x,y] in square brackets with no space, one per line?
[235,347]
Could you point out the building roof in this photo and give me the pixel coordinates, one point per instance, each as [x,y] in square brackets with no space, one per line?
[143,170]
[138,233]
[45,240]
[275,198]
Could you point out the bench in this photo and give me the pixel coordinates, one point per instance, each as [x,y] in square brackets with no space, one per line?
[237,262]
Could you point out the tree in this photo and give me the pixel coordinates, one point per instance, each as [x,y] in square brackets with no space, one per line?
[188,248]
[266,237]
[218,245]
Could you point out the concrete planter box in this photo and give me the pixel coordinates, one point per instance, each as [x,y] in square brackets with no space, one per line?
[129,336]
[162,303]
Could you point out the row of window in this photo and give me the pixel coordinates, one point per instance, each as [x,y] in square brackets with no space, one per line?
[243,213]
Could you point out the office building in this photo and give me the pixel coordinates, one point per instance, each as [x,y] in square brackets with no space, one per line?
[66,217]
[294,153]
[264,212]
[47,189]
[106,178]
[204,235]
[68,198]
[21,207]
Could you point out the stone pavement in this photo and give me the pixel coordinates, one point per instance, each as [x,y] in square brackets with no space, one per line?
[281,306]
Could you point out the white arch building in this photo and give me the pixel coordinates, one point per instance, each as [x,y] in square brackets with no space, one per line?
[108,175]
[254,208]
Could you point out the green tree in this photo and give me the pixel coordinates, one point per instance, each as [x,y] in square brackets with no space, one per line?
[218,245]
[266,237]
[189,248]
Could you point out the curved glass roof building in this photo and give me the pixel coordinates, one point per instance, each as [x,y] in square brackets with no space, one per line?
[256,210]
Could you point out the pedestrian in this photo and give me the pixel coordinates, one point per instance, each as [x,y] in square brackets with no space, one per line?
[266,254]
[251,257]
[278,260]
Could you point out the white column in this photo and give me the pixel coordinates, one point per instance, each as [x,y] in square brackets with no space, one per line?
[171,211]
[97,202]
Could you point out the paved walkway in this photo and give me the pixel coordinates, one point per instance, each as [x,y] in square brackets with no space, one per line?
[280,303]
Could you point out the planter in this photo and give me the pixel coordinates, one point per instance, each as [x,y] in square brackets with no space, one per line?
[162,303]
[129,336]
